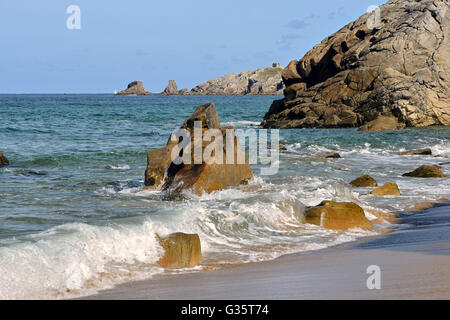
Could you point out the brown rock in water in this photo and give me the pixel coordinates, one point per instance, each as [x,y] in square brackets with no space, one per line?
[382,123]
[364,181]
[426,151]
[180,250]
[171,89]
[426,172]
[3,160]
[388,189]
[397,69]
[329,155]
[281,147]
[163,174]
[134,88]
[338,216]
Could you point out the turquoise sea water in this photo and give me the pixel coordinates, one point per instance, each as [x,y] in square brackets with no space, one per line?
[74,216]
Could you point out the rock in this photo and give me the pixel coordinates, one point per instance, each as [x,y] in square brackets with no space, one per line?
[163,174]
[180,250]
[264,81]
[338,216]
[421,206]
[382,123]
[426,172]
[389,189]
[364,181]
[171,89]
[3,160]
[280,147]
[329,155]
[426,151]
[134,88]
[398,69]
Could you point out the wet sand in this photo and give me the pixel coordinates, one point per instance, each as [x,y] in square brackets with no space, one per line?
[414,262]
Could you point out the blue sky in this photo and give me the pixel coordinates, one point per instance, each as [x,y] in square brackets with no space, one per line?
[155,41]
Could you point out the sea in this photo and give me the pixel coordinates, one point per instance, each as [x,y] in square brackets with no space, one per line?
[75,217]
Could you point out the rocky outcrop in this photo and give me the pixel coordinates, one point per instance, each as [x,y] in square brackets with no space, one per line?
[426,172]
[134,88]
[388,189]
[172,89]
[265,81]
[364,181]
[203,176]
[399,68]
[180,250]
[426,152]
[3,160]
[338,216]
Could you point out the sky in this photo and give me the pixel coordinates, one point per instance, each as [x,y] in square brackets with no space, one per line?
[155,41]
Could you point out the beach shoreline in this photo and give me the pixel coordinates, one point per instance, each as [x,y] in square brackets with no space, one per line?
[414,263]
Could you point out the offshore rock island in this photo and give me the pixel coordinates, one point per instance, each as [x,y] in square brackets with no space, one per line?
[398,70]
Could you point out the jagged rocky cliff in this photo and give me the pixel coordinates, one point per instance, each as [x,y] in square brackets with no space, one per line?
[397,66]
[264,81]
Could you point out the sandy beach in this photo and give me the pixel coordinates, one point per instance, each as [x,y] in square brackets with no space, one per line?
[414,262]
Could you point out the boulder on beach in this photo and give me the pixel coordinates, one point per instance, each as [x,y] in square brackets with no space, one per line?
[426,172]
[338,216]
[426,151]
[388,189]
[391,63]
[134,88]
[223,171]
[364,181]
[181,250]
[329,155]
[3,160]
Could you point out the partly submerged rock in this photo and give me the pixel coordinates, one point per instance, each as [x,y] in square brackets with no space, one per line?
[171,89]
[388,189]
[426,172]
[181,250]
[338,216]
[329,155]
[3,160]
[397,66]
[201,177]
[134,88]
[382,123]
[364,181]
[426,151]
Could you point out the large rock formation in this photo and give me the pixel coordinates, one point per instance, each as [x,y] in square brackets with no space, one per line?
[265,81]
[172,89]
[201,176]
[134,88]
[399,67]
[3,160]
[338,216]
[180,250]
